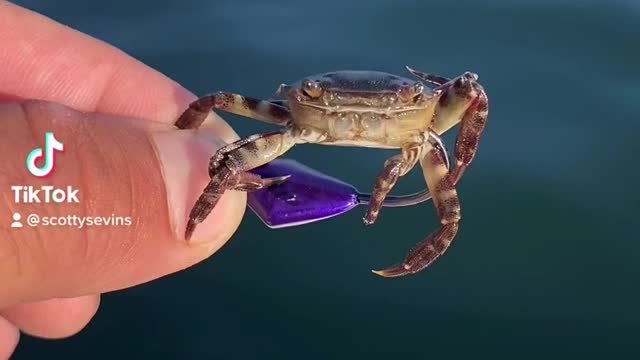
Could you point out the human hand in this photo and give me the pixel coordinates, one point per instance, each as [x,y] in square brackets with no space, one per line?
[95,99]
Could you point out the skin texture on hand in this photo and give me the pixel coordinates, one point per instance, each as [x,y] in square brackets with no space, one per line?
[114,116]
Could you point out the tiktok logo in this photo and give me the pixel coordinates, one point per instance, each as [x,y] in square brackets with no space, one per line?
[51,145]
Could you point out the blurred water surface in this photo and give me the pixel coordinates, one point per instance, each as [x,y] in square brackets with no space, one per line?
[546,260]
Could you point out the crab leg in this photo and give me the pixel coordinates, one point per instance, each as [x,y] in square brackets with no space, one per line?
[229,165]
[431,79]
[412,199]
[445,199]
[262,110]
[464,102]
[394,167]
[473,123]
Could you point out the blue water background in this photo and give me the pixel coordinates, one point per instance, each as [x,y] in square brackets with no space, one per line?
[546,262]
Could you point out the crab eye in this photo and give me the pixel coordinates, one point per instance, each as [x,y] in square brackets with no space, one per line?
[412,92]
[470,75]
[418,88]
[311,88]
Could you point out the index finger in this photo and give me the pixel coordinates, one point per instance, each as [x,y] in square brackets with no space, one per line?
[42,59]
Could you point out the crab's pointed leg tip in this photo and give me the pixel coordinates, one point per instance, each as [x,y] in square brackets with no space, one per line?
[191,226]
[367,222]
[281,179]
[409,69]
[396,271]
[378,272]
[275,181]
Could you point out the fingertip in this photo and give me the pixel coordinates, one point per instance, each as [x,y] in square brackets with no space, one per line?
[120,174]
[184,156]
[9,337]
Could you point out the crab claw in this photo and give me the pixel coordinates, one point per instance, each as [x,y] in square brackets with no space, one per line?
[424,254]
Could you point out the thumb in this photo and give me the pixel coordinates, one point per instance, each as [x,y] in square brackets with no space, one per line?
[131,186]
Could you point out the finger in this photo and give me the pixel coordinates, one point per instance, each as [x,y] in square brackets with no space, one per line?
[41,59]
[147,171]
[9,336]
[55,318]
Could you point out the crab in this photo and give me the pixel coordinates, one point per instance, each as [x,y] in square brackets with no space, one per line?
[356,108]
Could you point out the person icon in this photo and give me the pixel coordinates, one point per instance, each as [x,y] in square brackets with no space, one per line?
[16,221]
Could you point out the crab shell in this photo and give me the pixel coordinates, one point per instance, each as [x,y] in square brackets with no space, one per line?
[360,108]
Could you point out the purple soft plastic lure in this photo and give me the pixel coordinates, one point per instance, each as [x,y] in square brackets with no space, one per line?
[309,196]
